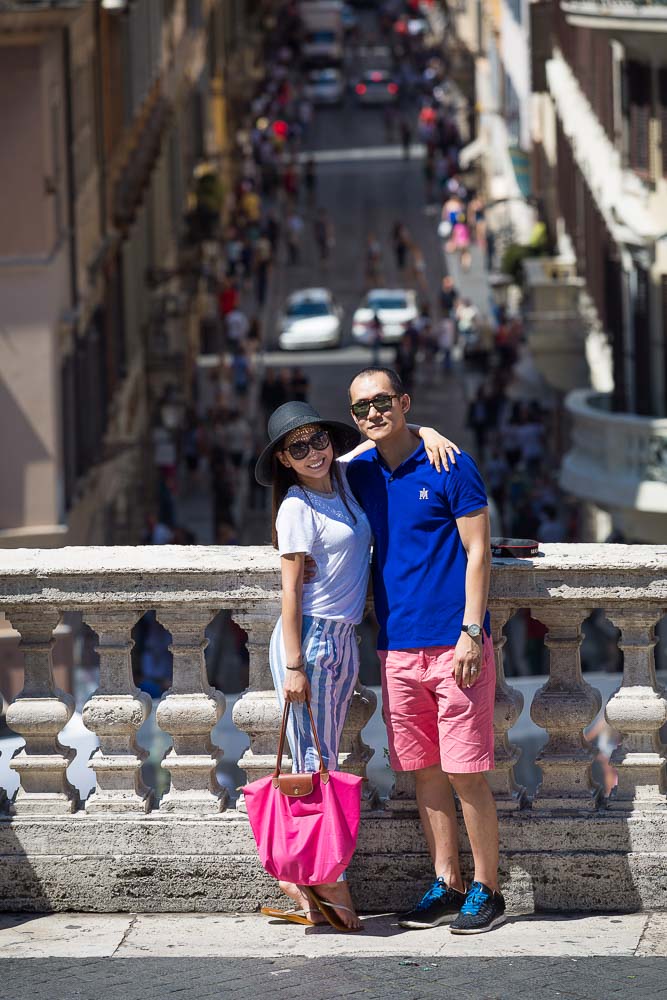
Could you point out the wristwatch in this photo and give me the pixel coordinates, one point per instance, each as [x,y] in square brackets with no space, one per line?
[474,631]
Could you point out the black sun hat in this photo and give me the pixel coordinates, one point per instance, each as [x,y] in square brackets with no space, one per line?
[288,418]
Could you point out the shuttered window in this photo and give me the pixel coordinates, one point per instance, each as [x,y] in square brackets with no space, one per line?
[638,82]
[662,112]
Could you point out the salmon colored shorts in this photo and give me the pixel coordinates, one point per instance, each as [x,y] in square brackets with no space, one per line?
[432,721]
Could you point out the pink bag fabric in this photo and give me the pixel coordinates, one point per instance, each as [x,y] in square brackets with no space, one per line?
[305,825]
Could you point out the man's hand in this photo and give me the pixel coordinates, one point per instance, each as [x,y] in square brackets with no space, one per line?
[309,569]
[467,660]
[296,686]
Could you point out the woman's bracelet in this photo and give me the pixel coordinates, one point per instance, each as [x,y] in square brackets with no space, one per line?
[299,667]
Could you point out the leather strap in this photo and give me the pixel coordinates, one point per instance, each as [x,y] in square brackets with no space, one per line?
[324,772]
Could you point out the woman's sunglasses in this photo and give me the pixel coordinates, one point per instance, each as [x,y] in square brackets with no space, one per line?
[382,403]
[299,449]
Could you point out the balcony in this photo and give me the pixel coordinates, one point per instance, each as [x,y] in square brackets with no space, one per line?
[554,328]
[618,462]
[119,850]
[620,18]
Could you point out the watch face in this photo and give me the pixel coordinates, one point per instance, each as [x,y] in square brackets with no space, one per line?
[474,631]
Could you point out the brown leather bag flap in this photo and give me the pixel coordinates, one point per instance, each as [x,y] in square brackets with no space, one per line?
[294,785]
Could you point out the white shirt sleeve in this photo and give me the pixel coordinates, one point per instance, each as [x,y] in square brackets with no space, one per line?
[295,526]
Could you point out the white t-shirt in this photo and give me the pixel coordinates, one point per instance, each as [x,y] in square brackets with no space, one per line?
[321,526]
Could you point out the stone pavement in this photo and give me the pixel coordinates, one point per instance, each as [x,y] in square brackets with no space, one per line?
[159,956]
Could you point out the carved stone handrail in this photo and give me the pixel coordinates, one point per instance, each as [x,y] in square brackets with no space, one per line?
[112,587]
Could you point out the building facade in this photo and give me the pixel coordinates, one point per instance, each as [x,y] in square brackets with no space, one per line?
[108,109]
[599,71]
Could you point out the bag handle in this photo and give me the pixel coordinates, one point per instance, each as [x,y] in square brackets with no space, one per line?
[324,771]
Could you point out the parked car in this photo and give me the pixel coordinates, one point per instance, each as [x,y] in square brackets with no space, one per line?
[396,309]
[325,86]
[311,319]
[376,86]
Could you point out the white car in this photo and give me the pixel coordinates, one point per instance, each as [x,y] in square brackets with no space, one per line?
[311,319]
[325,86]
[396,309]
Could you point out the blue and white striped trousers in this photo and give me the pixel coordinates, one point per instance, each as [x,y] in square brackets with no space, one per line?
[331,661]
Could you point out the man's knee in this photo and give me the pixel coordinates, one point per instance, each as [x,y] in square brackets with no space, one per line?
[469,783]
[426,774]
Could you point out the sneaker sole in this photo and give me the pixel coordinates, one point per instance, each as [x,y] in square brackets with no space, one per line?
[414,925]
[496,922]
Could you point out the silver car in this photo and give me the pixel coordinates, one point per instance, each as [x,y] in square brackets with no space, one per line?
[325,86]
[311,319]
[376,86]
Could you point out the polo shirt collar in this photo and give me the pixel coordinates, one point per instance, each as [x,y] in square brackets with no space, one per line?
[412,459]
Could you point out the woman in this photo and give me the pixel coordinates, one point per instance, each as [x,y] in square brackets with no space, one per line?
[313,652]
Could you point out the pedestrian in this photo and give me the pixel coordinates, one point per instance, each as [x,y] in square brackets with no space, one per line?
[406,136]
[236,328]
[310,179]
[478,420]
[272,393]
[419,269]
[405,359]
[400,242]
[448,295]
[431,569]
[263,255]
[313,653]
[294,230]
[373,261]
[323,232]
[375,331]
[446,341]
[299,383]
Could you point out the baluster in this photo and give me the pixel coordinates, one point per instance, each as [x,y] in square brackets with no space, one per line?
[38,714]
[509,704]
[403,795]
[115,713]
[638,710]
[353,753]
[188,712]
[564,706]
[257,712]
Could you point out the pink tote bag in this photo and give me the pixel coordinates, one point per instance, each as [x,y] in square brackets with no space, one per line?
[305,825]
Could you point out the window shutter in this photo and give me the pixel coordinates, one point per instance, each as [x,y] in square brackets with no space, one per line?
[662,113]
[639,115]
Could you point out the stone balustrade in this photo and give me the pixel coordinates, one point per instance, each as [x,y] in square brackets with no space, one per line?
[567,847]
[619,462]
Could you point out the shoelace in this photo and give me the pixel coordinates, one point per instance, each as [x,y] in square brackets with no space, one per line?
[475,900]
[437,891]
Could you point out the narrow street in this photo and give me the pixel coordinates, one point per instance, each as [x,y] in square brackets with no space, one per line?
[365,185]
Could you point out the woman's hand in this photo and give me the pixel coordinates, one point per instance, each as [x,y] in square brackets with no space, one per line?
[440,450]
[296,686]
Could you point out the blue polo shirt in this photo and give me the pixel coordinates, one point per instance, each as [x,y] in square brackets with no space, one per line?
[419,562]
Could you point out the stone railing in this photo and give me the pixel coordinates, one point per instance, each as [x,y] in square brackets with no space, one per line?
[618,461]
[567,848]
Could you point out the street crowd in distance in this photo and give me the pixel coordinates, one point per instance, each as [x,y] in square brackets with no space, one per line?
[274,200]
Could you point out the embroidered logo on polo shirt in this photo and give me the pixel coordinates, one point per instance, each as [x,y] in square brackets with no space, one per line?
[423,494]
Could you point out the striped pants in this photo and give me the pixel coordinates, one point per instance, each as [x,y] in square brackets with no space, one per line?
[331,660]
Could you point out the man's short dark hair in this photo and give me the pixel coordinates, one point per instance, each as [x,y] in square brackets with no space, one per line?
[393,377]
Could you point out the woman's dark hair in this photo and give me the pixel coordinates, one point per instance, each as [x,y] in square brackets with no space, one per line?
[284,476]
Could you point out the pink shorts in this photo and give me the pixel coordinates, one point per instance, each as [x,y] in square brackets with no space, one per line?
[432,721]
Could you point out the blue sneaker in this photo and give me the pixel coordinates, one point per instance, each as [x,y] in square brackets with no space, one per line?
[483,910]
[436,905]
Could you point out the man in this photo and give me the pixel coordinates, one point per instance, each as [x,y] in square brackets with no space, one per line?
[431,569]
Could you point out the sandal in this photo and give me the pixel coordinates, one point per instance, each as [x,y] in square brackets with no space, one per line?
[328,909]
[292,916]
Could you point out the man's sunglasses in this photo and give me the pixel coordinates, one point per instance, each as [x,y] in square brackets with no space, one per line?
[382,403]
[299,449]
